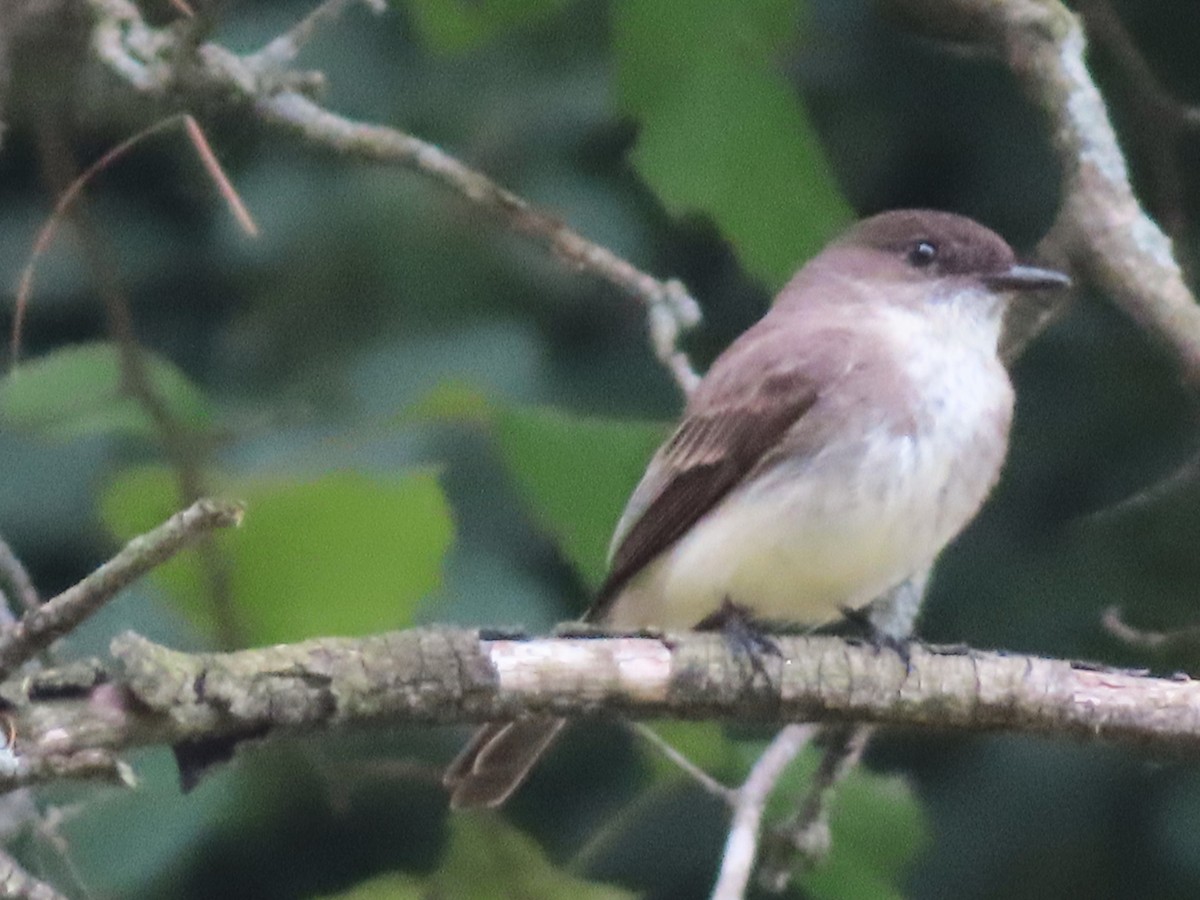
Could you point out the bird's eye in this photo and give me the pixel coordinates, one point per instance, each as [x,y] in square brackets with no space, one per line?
[922,254]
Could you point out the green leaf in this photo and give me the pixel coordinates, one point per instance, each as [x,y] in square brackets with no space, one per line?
[576,473]
[706,744]
[344,553]
[394,886]
[138,499]
[450,401]
[79,391]
[458,25]
[722,132]
[488,858]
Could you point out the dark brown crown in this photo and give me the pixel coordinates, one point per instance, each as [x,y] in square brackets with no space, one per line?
[946,243]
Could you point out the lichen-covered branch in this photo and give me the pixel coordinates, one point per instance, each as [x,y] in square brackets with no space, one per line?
[40,627]
[154,695]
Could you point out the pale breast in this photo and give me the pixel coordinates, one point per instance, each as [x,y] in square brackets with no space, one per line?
[838,525]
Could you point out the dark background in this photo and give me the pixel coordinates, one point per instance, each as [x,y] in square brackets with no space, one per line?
[369,287]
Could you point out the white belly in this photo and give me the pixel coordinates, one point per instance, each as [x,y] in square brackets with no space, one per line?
[837,529]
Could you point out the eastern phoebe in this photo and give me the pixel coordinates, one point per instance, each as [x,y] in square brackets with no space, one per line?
[827,457]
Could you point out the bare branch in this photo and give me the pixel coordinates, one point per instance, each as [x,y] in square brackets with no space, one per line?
[38,628]
[693,771]
[18,884]
[1160,119]
[139,55]
[90,764]
[1101,229]
[1184,638]
[182,448]
[741,844]
[670,307]
[442,676]
[804,839]
[16,586]
[284,49]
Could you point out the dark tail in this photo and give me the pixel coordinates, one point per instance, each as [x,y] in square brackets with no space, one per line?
[497,760]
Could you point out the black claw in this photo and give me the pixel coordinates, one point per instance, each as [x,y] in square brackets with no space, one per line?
[902,647]
[857,624]
[746,636]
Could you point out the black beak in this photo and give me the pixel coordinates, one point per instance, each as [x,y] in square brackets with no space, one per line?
[1027,278]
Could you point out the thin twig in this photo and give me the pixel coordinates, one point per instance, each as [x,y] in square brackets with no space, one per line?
[49,229]
[1187,637]
[72,191]
[741,845]
[49,829]
[138,53]
[670,308]
[16,584]
[225,187]
[697,774]
[37,629]
[18,884]
[283,50]
[804,839]
[180,445]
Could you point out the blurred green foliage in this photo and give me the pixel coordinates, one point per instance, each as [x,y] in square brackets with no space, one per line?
[453,27]
[431,420]
[487,858]
[878,827]
[82,390]
[344,553]
[721,133]
[575,474]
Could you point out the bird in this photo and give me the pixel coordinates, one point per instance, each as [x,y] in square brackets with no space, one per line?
[826,458]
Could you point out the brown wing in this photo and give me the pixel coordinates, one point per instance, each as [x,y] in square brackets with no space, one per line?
[716,445]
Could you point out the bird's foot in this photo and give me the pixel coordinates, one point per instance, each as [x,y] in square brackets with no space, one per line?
[859,626]
[745,635]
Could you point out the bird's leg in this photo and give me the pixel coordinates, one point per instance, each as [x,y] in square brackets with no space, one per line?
[857,624]
[746,636]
